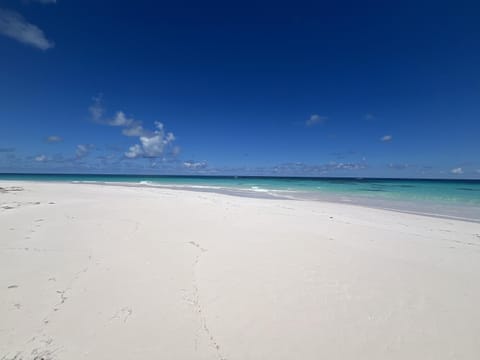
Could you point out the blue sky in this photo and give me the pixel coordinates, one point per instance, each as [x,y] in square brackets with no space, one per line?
[309,88]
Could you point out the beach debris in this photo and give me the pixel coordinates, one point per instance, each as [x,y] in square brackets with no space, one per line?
[12,287]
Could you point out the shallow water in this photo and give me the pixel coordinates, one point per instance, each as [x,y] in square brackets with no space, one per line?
[452,198]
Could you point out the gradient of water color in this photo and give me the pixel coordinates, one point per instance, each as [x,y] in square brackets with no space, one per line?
[443,197]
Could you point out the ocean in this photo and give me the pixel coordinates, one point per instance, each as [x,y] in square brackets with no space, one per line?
[449,198]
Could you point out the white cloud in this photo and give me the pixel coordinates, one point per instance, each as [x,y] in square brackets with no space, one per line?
[344,166]
[135,129]
[152,146]
[120,119]
[152,143]
[457,171]
[176,151]
[302,169]
[15,26]
[134,151]
[96,109]
[54,139]
[315,119]
[83,150]
[398,166]
[369,116]
[195,165]
[41,158]
[386,138]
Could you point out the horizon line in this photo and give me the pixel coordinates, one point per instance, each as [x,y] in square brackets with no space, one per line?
[244,176]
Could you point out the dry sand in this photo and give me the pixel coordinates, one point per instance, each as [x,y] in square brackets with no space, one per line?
[108,272]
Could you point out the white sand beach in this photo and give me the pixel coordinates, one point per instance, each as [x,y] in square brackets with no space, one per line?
[111,272]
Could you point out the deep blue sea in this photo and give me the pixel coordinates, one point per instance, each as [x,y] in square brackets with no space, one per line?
[449,197]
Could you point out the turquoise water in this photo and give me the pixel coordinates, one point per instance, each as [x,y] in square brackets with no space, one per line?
[444,191]
[458,199]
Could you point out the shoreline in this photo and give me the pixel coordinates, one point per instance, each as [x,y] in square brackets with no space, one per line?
[420,207]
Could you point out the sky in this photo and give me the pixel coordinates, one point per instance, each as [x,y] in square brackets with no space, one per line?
[298,88]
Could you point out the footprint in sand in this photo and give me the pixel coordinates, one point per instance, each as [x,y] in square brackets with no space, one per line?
[197,245]
[122,314]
